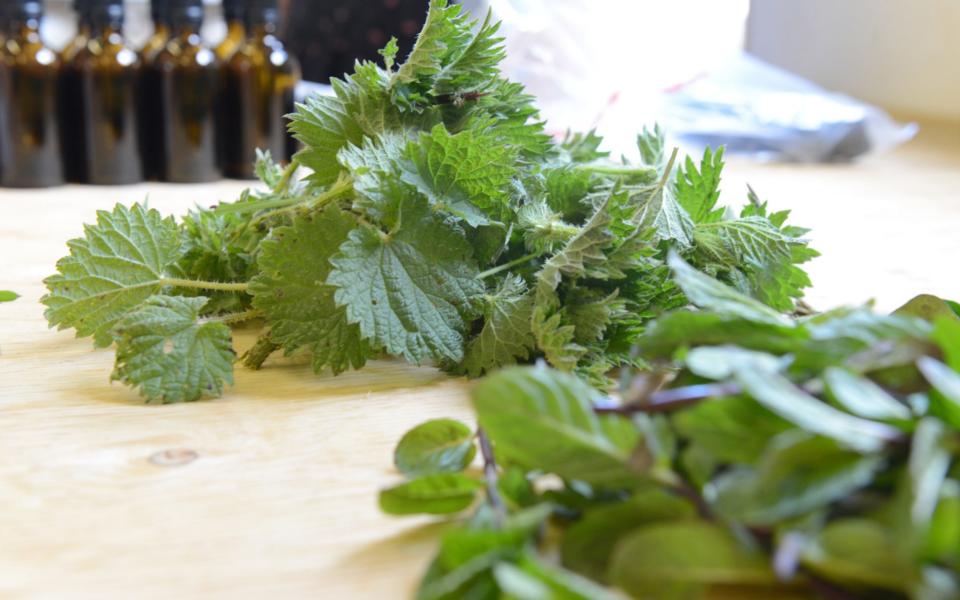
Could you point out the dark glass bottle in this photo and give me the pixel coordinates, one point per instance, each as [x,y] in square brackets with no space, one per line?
[109,70]
[189,77]
[236,29]
[258,91]
[149,105]
[29,70]
[72,142]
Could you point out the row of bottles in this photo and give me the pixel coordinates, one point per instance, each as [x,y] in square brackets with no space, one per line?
[177,110]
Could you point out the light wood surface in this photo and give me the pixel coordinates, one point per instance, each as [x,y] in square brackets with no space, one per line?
[271,491]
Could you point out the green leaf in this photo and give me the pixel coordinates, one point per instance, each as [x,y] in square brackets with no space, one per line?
[797,474]
[292,292]
[437,494]
[929,308]
[862,397]
[474,66]
[732,429]
[359,107]
[437,446]
[8,296]
[946,333]
[443,33]
[120,262]
[859,552]
[588,544]
[506,336]
[466,174]
[946,382]
[652,144]
[544,419]
[706,292]
[164,350]
[721,362]
[942,542]
[683,328]
[531,578]
[668,220]
[411,291]
[697,191]
[926,472]
[583,251]
[782,397]
[389,53]
[556,338]
[591,312]
[679,560]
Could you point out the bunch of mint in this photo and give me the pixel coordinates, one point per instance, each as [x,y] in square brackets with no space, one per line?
[437,223]
[759,456]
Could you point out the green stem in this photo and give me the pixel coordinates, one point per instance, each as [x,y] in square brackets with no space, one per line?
[507,265]
[288,172]
[237,317]
[240,286]
[245,207]
[339,187]
[648,173]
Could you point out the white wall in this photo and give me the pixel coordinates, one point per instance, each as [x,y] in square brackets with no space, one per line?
[901,54]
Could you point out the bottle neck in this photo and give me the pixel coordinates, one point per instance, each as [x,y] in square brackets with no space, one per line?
[106,19]
[263,20]
[186,19]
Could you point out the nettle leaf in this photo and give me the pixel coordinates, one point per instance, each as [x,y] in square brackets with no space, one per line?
[444,32]
[668,220]
[706,292]
[436,494]
[120,262]
[165,351]
[680,560]
[588,545]
[798,473]
[544,419]
[411,291]
[583,251]
[292,292]
[697,191]
[506,336]
[554,337]
[466,174]
[862,397]
[474,66]
[591,312]
[437,446]
[652,144]
[8,296]
[324,124]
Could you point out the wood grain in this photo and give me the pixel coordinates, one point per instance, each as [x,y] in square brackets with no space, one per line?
[271,491]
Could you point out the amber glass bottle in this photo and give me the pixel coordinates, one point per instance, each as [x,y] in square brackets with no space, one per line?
[236,29]
[72,143]
[189,77]
[258,91]
[29,70]
[109,70]
[149,105]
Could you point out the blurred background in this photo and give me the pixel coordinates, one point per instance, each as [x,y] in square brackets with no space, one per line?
[773,80]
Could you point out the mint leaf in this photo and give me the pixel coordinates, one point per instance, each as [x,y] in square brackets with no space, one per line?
[411,291]
[798,473]
[533,579]
[8,296]
[677,560]
[544,418]
[292,292]
[506,336]
[437,446]
[436,494]
[863,397]
[166,352]
[120,262]
[860,552]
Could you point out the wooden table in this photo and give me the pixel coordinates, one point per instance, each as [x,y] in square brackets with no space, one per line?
[271,491]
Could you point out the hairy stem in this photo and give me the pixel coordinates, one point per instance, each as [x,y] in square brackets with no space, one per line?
[339,187]
[259,352]
[648,173]
[287,174]
[240,286]
[492,478]
[237,317]
[507,265]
